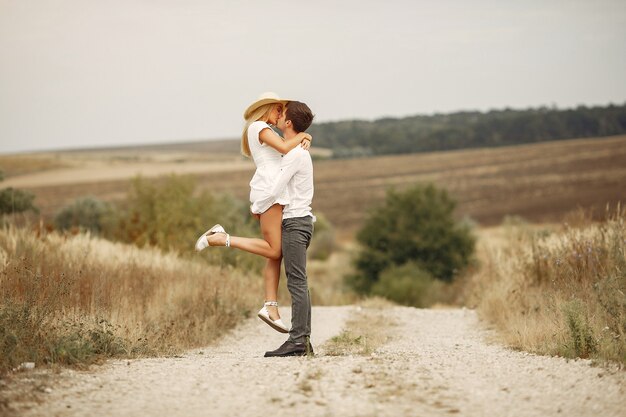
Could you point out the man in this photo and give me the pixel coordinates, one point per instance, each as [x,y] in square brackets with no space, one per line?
[296,175]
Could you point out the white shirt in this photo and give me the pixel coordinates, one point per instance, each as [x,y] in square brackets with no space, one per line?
[295,176]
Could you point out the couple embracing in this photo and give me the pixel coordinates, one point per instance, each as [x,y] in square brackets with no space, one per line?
[281,192]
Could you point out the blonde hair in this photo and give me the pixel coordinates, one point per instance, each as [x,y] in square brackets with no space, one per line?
[262,113]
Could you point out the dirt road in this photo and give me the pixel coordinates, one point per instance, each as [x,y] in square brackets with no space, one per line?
[436,362]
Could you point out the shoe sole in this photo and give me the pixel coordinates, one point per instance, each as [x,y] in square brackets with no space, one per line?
[272,324]
[286,355]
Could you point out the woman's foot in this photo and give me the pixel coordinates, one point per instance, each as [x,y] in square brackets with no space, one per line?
[272,318]
[203,241]
[219,239]
[273,311]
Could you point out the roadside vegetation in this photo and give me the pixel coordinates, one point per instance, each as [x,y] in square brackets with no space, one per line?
[557,291]
[107,280]
[71,299]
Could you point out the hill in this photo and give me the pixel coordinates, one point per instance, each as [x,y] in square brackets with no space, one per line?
[539,182]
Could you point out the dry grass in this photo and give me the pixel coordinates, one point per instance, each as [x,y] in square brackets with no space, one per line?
[14,165]
[558,291]
[72,299]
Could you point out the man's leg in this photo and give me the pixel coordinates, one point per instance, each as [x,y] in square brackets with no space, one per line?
[296,237]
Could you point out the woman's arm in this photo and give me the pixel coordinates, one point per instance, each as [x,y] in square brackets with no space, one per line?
[282,145]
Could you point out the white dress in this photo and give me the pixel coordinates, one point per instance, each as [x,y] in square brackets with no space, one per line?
[267,161]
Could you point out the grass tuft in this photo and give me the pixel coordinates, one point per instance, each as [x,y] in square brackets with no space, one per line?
[366,330]
[581,341]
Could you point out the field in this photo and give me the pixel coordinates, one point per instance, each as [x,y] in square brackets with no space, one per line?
[539,182]
[74,299]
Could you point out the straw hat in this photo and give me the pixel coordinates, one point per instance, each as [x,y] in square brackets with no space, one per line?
[265,98]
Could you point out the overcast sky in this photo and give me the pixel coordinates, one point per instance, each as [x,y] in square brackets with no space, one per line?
[88,73]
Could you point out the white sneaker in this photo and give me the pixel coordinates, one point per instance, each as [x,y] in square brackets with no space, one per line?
[202,241]
[264,315]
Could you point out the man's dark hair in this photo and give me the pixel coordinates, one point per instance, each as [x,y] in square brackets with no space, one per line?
[300,115]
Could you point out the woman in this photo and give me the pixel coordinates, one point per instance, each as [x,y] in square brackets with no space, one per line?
[266,148]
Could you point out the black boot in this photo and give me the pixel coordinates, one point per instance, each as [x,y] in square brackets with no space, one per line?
[291,349]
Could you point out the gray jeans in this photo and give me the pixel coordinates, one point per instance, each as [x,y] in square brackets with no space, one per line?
[297,233]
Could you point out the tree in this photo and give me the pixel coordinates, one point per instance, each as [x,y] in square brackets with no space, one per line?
[467,129]
[415,226]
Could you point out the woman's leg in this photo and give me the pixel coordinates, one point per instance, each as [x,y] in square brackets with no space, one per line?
[271,275]
[271,227]
[268,247]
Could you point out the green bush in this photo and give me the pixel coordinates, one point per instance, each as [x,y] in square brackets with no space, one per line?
[168,214]
[86,213]
[16,201]
[409,285]
[416,226]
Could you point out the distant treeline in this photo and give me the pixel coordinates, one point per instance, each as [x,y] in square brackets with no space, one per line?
[468,129]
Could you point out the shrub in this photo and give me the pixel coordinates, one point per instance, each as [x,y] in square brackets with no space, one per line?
[86,213]
[167,214]
[417,226]
[408,284]
[16,201]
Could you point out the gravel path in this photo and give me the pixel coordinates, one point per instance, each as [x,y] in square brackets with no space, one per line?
[436,362]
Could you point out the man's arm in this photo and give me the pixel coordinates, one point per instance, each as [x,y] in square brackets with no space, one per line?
[288,167]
